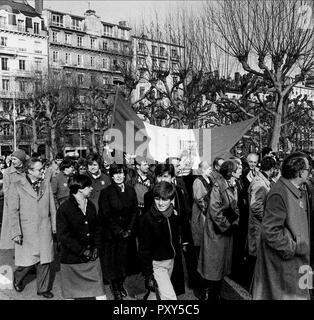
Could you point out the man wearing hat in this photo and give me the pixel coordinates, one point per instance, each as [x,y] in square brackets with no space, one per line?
[10,175]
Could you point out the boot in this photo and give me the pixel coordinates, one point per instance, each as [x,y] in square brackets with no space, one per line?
[115,290]
[122,290]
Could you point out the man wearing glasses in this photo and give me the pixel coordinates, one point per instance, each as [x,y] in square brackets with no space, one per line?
[284,247]
[33,221]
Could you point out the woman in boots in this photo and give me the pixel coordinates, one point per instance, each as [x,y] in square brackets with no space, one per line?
[118,211]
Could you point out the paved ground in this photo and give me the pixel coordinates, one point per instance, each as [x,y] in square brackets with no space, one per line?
[134,285]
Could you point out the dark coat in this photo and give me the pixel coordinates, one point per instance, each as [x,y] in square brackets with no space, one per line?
[310,189]
[284,245]
[158,238]
[118,212]
[77,232]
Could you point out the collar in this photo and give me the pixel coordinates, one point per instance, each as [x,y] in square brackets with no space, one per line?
[294,190]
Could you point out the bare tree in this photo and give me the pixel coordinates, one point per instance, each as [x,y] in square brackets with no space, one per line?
[271,40]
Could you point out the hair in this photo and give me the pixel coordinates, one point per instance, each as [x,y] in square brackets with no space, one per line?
[265,151]
[59,155]
[35,155]
[116,168]
[252,154]
[293,164]
[162,168]
[227,168]
[138,160]
[94,157]
[236,160]
[216,160]
[66,163]
[79,181]
[29,164]
[169,160]
[164,190]
[268,163]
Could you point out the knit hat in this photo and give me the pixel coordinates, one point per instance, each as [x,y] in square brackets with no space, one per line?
[20,154]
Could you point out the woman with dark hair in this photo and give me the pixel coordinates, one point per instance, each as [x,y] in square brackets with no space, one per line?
[118,211]
[158,241]
[99,180]
[221,217]
[59,183]
[79,233]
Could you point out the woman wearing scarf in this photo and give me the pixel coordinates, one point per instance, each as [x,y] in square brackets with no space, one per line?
[221,218]
[118,211]
[158,238]
[79,233]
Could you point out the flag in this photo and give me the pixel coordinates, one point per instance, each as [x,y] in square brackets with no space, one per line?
[132,135]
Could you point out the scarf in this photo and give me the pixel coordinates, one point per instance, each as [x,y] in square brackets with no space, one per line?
[167,214]
[35,184]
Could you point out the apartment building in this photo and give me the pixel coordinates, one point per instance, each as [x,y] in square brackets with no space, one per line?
[23,60]
[90,51]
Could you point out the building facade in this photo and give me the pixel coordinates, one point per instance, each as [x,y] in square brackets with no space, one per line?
[24,58]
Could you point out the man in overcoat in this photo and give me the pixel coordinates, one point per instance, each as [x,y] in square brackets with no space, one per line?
[284,246]
[32,216]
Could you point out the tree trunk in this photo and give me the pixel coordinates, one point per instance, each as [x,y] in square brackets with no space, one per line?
[274,143]
[34,145]
[53,150]
[93,139]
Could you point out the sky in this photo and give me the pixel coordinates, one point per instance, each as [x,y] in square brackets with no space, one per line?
[115,11]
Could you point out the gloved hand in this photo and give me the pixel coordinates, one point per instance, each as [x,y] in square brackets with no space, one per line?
[87,254]
[94,255]
[150,283]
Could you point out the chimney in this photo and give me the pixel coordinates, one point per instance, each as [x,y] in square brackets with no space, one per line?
[39,6]
[122,23]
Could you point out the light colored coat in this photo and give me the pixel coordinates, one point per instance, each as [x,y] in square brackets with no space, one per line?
[217,245]
[10,175]
[258,189]
[34,217]
[284,246]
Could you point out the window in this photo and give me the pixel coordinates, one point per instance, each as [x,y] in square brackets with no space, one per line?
[55,36]
[20,25]
[141,62]
[115,46]
[92,62]
[80,79]
[162,65]
[4,63]
[141,47]
[175,80]
[55,56]
[36,27]
[22,85]
[76,24]
[57,20]
[154,50]
[105,80]
[92,43]
[174,53]
[154,62]
[105,63]
[79,60]
[6,130]
[4,41]
[67,38]
[3,21]
[105,45]
[142,92]
[37,66]
[108,31]
[67,58]
[123,34]
[22,64]
[174,67]
[5,84]
[79,41]
[162,51]
[115,64]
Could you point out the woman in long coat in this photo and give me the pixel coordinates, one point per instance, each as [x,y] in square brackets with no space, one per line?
[79,233]
[222,215]
[118,211]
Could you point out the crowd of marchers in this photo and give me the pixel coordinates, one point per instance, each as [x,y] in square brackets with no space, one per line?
[248,218]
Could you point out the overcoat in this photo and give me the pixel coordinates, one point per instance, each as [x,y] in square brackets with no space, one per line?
[10,175]
[33,216]
[60,187]
[284,245]
[258,190]
[216,248]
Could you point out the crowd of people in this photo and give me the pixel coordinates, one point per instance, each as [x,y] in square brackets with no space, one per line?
[248,218]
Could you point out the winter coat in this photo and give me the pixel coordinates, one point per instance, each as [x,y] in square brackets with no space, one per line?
[284,245]
[33,216]
[76,231]
[10,175]
[216,248]
[158,238]
[258,190]
[98,184]
[60,188]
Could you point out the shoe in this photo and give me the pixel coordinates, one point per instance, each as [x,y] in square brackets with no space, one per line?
[47,295]
[122,290]
[18,287]
[117,295]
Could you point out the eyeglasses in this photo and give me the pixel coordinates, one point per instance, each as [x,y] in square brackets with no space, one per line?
[40,169]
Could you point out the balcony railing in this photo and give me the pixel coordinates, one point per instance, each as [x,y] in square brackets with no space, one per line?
[22,29]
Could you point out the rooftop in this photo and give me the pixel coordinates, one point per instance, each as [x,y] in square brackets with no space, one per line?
[19,7]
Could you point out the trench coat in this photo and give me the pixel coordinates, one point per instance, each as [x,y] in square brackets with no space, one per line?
[33,216]
[10,175]
[284,245]
[215,257]
[258,190]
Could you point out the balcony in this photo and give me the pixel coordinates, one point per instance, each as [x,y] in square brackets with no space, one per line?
[56,24]
[22,29]
[142,52]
